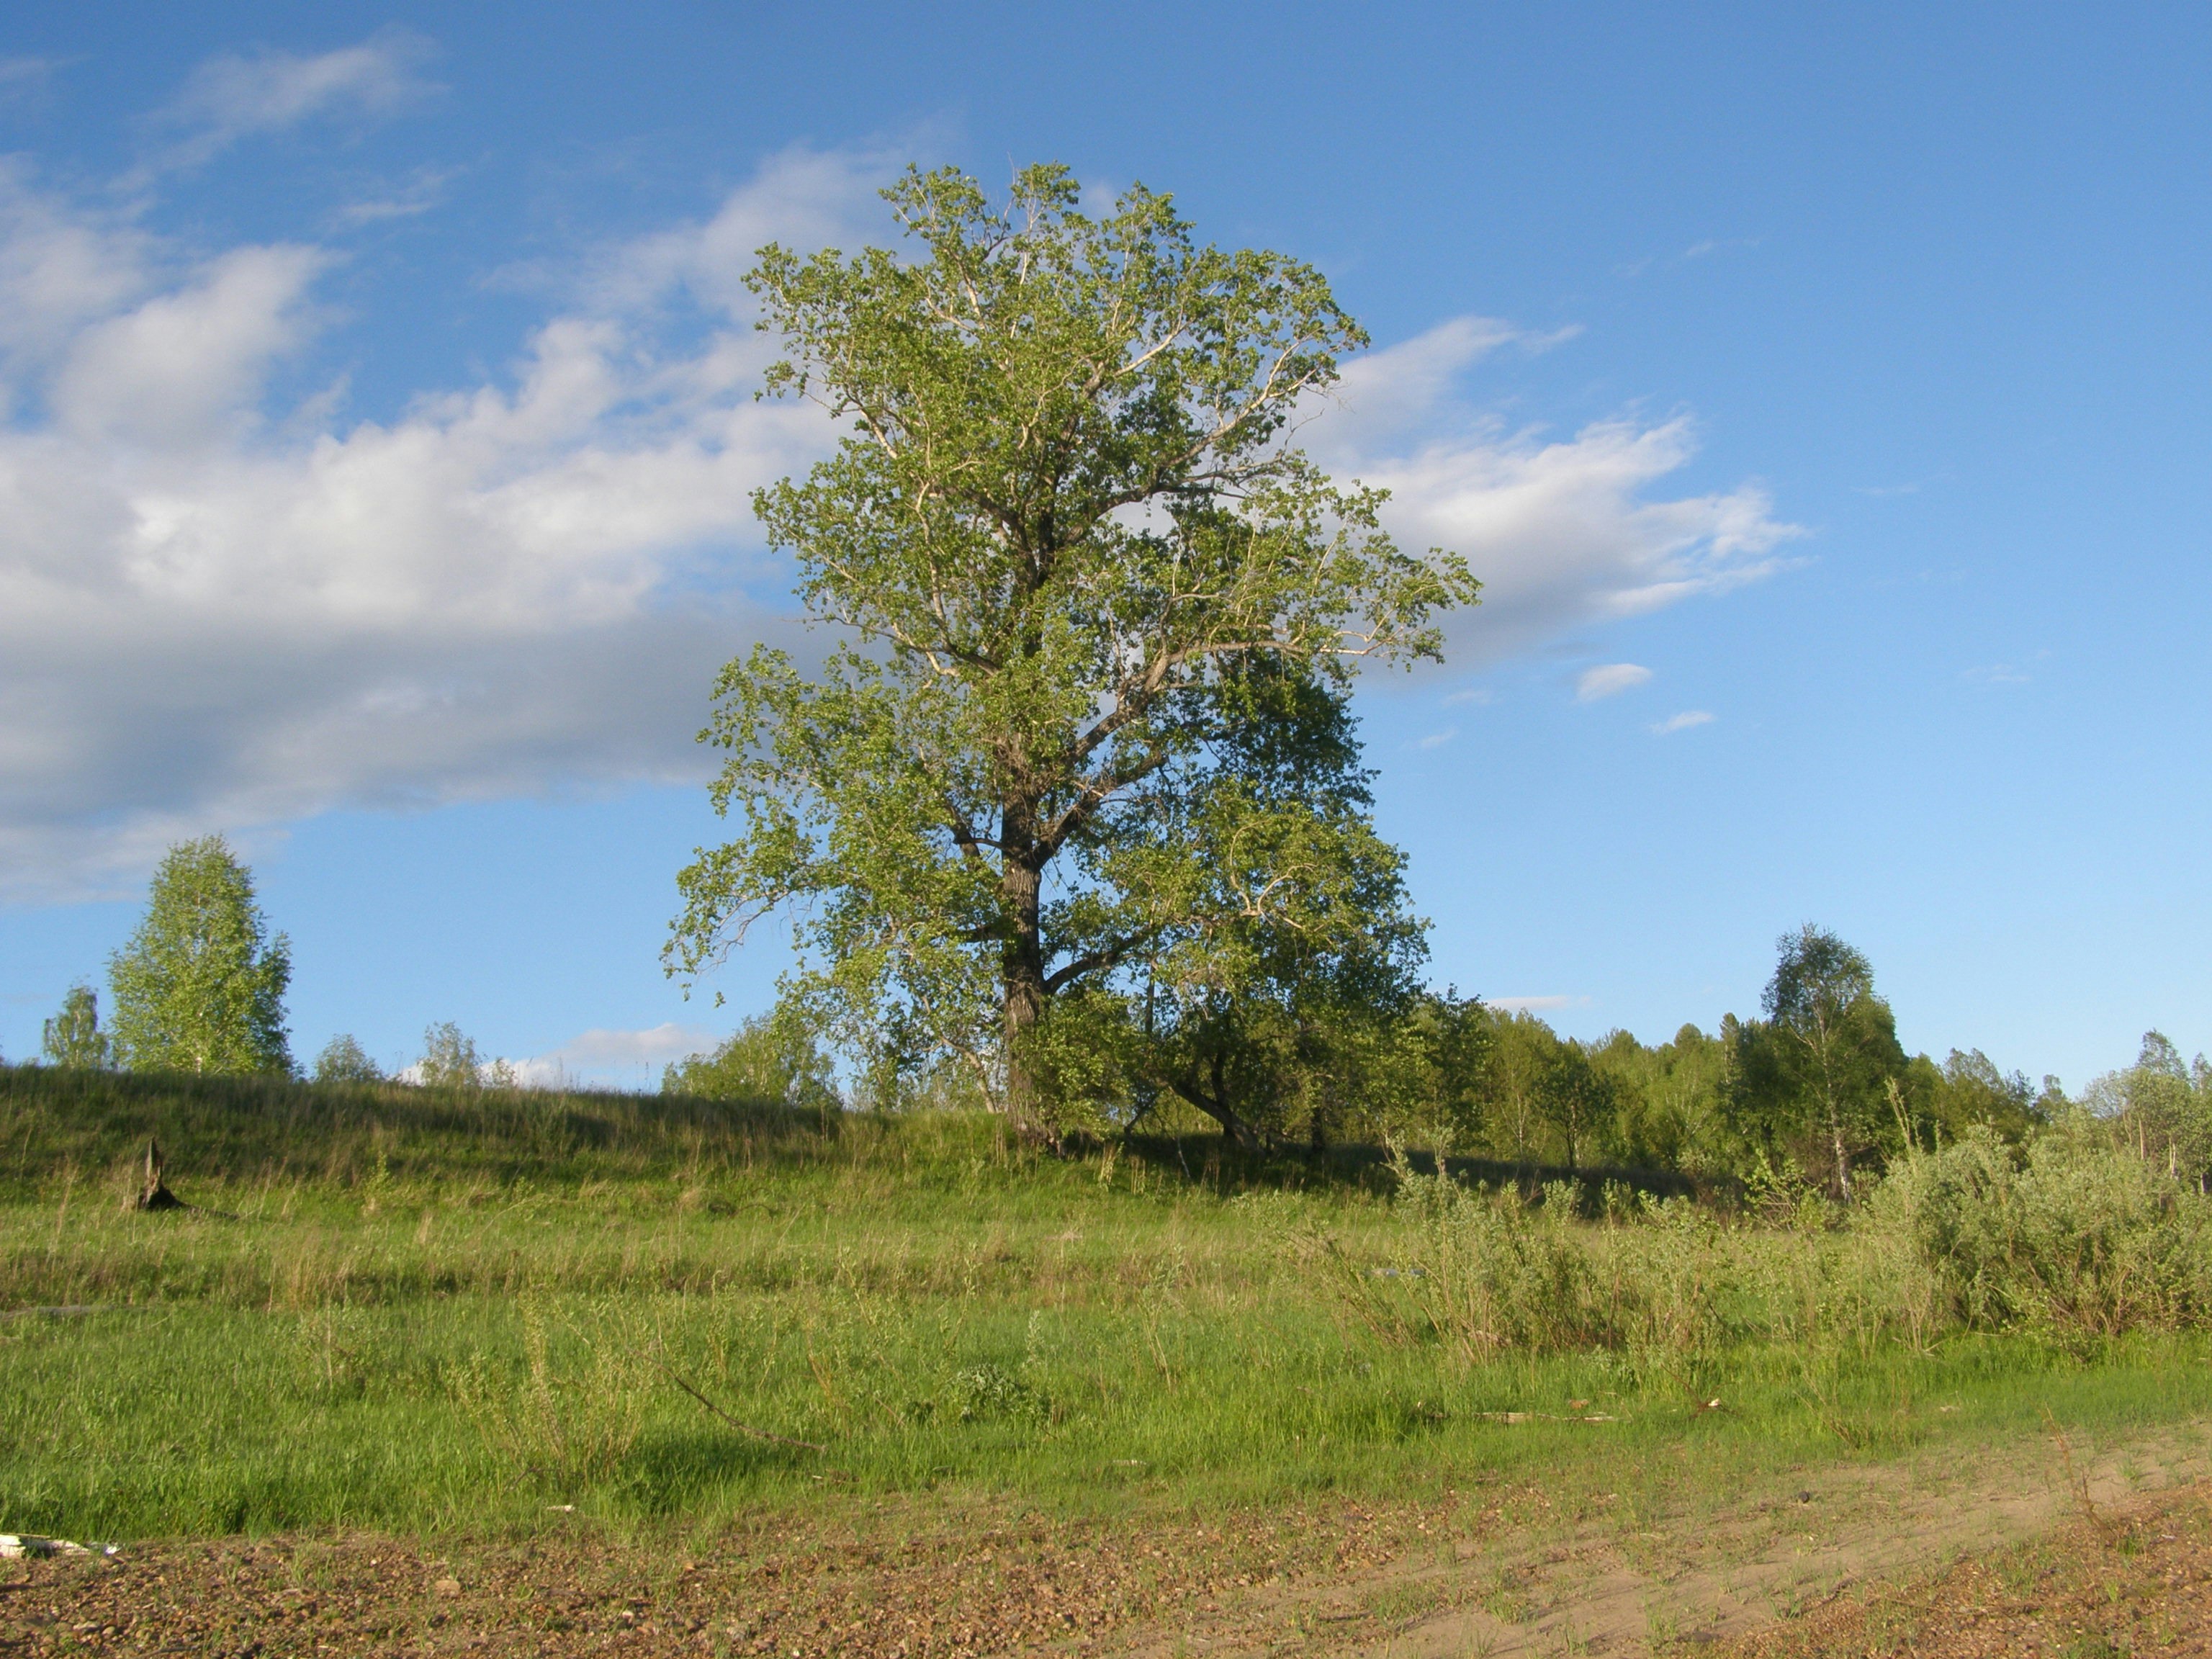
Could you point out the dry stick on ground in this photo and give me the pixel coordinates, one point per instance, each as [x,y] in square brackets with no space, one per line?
[742,1428]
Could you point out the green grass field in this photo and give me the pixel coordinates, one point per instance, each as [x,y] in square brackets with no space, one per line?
[440,1315]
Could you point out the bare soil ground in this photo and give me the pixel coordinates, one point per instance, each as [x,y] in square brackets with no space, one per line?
[2138,1580]
[2026,1549]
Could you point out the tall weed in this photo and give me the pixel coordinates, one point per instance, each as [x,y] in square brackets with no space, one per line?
[2080,1241]
[569,1414]
[2077,1240]
[1487,1273]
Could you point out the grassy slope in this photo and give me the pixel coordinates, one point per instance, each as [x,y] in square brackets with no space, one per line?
[425,1313]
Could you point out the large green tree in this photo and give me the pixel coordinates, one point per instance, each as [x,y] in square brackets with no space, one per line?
[1093,609]
[1578,1100]
[199,986]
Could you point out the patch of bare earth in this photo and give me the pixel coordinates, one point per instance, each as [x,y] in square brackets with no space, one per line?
[1490,1571]
[1696,1581]
[2138,1580]
[1003,1588]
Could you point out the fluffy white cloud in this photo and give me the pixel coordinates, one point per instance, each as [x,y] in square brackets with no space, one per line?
[212,618]
[1609,679]
[1683,722]
[218,614]
[804,198]
[59,270]
[1562,531]
[185,369]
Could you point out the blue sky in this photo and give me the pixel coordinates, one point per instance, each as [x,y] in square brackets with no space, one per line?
[1824,398]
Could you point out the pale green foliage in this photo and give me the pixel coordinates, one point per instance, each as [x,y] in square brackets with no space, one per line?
[1820,1083]
[1487,1273]
[345,1060]
[1519,1059]
[572,1415]
[73,1036]
[1103,623]
[2074,1239]
[2161,1107]
[199,986]
[770,1058]
[1967,1089]
[450,1060]
[1669,1101]
[2080,1238]
[990,1391]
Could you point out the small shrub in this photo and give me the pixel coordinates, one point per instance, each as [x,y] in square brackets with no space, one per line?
[345,1060]
[450,1060]
[987,1391]
[1482,1273]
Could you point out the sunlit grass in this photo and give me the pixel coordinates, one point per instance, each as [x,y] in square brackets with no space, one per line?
[398,1314]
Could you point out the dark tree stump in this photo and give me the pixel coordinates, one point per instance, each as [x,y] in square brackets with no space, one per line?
[155,1195]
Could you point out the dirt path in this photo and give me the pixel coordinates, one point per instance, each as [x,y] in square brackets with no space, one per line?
[1492,1571]
[2132,1580]
[1848,1531]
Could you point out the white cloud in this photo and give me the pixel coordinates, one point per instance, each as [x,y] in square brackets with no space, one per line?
[209,618]
[236,96]
[219,614]
[185,368]
[1609,679]
[1683,722]
[1561,530]
[422,190]
[625,1059]
[1439,739]
[1387,394]
[1535,1004]
[60,269]
[802,198]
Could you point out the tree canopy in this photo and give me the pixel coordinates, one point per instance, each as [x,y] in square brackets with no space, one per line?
[1082,746]
[199,986]
[450,1060]
[342,1060]
[73,1037]
[772,1059]
[1823,1073]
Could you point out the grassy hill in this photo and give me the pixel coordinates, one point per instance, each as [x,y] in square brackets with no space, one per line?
[430,1312]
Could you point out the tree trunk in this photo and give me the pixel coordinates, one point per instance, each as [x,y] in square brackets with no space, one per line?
[1835,1118]
[1214,1104]
[1022,996]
